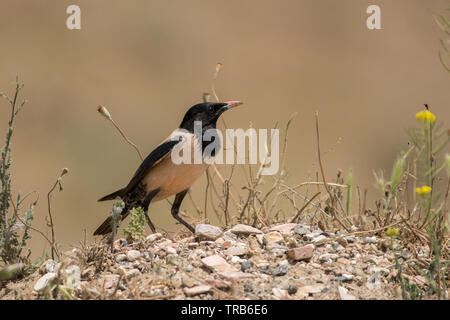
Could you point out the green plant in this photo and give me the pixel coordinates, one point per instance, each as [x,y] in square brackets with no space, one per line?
[429,140]
[14,229]
[410,291]
[349,192]
[116,218]
[135,228]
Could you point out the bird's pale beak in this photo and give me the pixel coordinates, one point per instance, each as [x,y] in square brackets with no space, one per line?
[233,104]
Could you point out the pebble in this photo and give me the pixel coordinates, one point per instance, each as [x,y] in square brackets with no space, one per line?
[248,287]
[171,250]
[328,257]
[207,232]
[342,241]
[237,251]
[292,289]
[369,240]
[233,275]
[315,288]
[244,229]
[273,237]
[236,259]
[265,269]
[219,241]
[301,253]
[194,291]
[121,257]
[350,239]
[228,243]
[281,270]
[374,281]
[132,273]
[319,239]
[284,228]
[345,277]
[217,263]
[260,238]
[172,259]
[276,247]
[300,230]
[73,277]
[218,283]
[187,282]
[228,235]
[245,265]
[44,281]
[374,269]
[279,293]
[343,293]
[51,266]
[153,237]
[133,255]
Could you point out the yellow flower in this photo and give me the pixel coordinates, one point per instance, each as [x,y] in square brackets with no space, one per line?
[392,232]
[426,116]
[423,190]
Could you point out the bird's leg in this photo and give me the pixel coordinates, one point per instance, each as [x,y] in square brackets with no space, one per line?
[176,208]
[145,206]
[150,223]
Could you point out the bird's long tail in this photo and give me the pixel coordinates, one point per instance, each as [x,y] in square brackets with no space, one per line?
[112,196]
[104,228]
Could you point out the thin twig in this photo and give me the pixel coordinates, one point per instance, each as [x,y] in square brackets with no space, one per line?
[299,212]
[51,225]
[323,174]
[103,111]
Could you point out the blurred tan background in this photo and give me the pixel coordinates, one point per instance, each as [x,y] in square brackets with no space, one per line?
[148,61]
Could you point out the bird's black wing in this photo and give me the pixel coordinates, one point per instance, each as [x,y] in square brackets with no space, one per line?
[153,158]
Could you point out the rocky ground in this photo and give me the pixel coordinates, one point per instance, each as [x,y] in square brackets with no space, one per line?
[288,261]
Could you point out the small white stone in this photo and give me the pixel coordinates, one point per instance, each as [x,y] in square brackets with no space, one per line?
[73,277]
[121,257]
[207,232]
[279,293]
[284,228]
[237,251]
[50,266]
[133,255]
[343,293]
[236,259]
[273,237]
[197,290]
[217,263]
[245,229]
[171,250]
[132,273]
[319,239]
[43,281]
[153,237]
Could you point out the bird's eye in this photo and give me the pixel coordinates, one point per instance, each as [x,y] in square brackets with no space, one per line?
[210,109]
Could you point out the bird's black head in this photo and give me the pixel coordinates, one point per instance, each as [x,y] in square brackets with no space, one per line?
[208,113]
